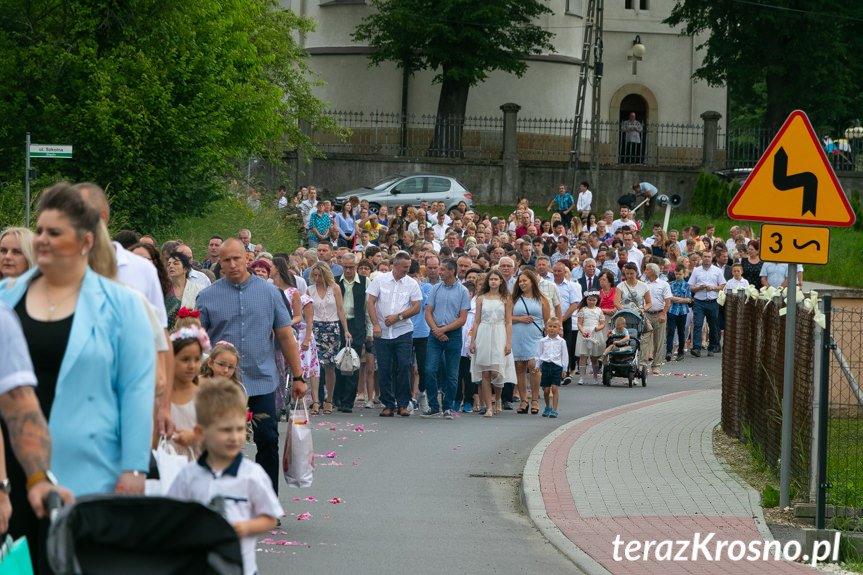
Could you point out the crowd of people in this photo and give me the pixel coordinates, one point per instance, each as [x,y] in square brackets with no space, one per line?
[449,310]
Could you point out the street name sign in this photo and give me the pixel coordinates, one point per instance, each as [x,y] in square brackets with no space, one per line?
[793,182]
[50,151]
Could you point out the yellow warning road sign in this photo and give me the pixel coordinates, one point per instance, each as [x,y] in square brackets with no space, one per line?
[793,182]
[795,244]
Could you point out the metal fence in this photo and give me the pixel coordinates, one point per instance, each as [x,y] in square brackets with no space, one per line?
[752,381]
[550,139]
[845,423]
[391,134]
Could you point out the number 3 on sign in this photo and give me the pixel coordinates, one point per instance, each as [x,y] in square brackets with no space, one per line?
[795,244]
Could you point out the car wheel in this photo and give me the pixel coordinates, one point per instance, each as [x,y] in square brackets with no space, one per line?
[374,207]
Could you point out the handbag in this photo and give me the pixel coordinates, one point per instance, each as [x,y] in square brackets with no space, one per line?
[15,557]
[347,360]
[298,458]
[524,303]
[169,464]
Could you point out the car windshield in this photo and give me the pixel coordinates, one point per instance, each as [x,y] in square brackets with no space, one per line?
[381,184]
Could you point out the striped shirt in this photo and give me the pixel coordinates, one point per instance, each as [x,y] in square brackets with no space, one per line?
[679,289]
[245,315]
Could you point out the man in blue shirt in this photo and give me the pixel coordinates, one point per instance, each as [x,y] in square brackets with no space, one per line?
[565,204]
[445,314]
[248,312]
[648,191]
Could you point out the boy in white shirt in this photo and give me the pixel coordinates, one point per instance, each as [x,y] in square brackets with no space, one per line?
[251,505]
[736,280]
[552,358]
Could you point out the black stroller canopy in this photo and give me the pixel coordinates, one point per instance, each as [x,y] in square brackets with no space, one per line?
[133,535]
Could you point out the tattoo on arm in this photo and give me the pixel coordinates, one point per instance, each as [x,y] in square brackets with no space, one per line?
[28,429]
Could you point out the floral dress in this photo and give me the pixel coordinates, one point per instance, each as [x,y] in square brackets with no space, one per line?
[309,357]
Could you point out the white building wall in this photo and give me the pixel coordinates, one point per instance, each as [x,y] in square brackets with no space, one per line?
[547,90]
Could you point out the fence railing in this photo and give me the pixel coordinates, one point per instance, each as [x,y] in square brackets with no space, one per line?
[390,134]
[416,136]
[845,423]
[752,381]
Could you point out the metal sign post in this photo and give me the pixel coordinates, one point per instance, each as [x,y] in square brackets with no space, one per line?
[27,184]
[788,388]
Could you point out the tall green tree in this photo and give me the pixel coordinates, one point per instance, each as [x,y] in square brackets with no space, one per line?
[780,55]
[156,96]
[461,41]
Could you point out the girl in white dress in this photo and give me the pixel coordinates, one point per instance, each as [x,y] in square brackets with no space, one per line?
[591,322]
[491,341]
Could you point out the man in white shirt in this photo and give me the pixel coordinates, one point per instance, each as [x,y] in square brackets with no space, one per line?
[507,270]
[660,301]
[625,220]
[733,233]
[414,225]
[430,238]
[440,227]
[309,206]
[651,241]
[282,201]
[706,282]
[546,285]
[195,276]
[585,197]
[394,297]
[633,253]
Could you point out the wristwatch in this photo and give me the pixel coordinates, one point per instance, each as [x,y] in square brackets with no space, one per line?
[41,476]
[6,486]
[401,317]
[299,378]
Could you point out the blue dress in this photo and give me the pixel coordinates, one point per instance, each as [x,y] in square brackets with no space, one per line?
[526,336]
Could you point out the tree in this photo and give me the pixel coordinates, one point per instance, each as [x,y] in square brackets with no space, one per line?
[779,57]
[156,96]
[462,41]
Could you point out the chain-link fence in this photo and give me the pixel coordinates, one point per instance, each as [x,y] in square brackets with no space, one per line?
[752,381]
[845,424]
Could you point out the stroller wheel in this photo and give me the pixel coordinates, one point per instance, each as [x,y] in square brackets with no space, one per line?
[644,377]
[606,377]
[630,377]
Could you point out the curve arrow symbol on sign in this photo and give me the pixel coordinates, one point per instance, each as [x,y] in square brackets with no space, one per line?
[806,180]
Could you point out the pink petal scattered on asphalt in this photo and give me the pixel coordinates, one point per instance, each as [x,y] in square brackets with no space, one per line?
[333,428]
[331,455]
[334,463]
[304,516]
[358,428]
[355,463]
[311,499]
[345,437]
[335,500]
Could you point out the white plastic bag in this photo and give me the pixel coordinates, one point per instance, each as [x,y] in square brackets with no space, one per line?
[169,464]
[298,459]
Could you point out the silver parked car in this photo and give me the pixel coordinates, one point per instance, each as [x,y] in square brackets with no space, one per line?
[411,189]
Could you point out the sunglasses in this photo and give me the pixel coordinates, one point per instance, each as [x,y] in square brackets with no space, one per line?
[223,365]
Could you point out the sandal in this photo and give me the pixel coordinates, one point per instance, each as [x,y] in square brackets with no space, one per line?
[522,408]
[534,406]
[314,410]
[327,411]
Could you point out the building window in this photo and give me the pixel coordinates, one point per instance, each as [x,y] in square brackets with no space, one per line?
[574,7]
[630,4]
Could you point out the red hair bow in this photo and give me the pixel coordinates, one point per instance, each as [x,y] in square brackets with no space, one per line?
[188,313]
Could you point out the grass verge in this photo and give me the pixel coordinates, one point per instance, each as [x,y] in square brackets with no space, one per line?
[228,216]
[845,461]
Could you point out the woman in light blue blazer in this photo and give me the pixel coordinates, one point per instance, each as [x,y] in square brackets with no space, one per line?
[94,356]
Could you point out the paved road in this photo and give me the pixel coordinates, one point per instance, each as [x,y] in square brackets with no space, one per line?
[427,495]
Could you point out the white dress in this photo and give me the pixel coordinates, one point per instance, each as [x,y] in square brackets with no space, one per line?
[590,318]
[490,343]
[184,417]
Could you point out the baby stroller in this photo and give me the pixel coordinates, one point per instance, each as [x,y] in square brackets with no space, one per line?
[626,364]
[138,535]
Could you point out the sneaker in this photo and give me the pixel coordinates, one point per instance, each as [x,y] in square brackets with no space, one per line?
[430,414]
[567,380]
[577,372]
[467,408]
[369,405]
[680,356]
[448,414]
[423,401]
[667,357]
[695,352]
[596,379]
[412,406]
[581,380]
[709,353]
[507,406]
[552,414]
[546,411]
